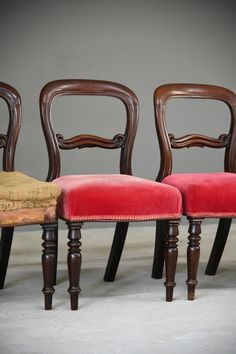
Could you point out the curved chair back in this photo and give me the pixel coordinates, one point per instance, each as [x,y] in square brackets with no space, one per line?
[55,142]
[210,195]
[168,141]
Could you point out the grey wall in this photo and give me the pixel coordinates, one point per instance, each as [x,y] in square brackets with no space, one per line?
[141,44]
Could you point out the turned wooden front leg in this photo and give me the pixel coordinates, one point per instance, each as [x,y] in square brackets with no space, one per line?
[74,262]
[171,255]
[193,255]
[49,262]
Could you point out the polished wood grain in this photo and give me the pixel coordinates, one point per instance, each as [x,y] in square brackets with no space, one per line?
[83,141]
[197,140]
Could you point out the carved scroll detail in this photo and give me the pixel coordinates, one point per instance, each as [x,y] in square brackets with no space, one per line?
[197,140]
[3,140]
[82,141]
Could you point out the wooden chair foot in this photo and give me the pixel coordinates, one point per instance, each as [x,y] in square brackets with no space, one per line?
[191,292]
[74,300]
[48,301]
[169,293]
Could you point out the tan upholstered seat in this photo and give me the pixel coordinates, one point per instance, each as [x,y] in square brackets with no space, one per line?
[23,198]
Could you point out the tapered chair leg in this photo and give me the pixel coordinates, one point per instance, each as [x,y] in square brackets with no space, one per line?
[5,250]
[49,262]
[159,249]
[74,262]
[218,246]
[171,256]
[116,251]
[193,255]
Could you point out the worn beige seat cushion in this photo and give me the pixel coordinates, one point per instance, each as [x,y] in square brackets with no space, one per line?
[18,191]
[25,200]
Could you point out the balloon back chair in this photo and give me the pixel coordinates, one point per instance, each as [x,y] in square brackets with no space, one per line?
[204,195]
[25,200]
[105,197]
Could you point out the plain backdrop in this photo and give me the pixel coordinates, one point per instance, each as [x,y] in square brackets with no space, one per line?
[141,44]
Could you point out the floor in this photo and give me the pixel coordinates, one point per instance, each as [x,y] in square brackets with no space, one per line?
[129,315]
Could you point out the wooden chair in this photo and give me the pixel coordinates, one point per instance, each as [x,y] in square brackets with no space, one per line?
[205,195]
[106,197]
[24,200]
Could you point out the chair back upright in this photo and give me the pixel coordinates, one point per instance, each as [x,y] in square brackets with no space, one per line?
[8,141]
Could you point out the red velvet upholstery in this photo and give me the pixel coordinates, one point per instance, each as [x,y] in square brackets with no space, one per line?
[206,194]
[116,197]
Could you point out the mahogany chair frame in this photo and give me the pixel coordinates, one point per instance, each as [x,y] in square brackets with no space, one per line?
[124,142]
[8,143]
[168,142]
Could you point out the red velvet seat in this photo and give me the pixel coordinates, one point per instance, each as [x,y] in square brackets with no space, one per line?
[204,195]
[110,197]
[115,198]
